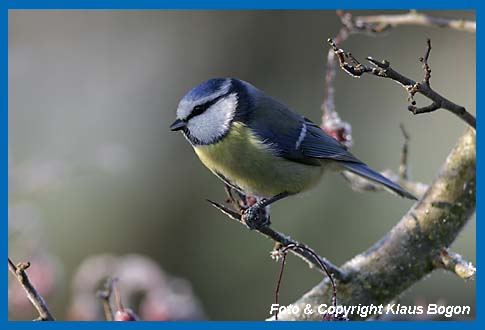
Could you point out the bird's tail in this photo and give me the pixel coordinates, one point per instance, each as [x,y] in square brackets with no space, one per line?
[363,170]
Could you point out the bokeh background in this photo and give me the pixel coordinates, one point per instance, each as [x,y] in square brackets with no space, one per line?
[95,173]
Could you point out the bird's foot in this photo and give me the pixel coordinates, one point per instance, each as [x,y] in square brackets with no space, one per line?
[256,217]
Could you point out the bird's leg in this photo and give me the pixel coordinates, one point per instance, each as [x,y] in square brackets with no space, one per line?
[234,202]
[255,217]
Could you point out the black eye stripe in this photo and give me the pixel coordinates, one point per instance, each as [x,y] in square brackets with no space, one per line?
[201,108]
[198,110]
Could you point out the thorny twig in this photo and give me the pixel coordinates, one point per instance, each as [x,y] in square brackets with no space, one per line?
[282,240]
[383,69]
[35,298]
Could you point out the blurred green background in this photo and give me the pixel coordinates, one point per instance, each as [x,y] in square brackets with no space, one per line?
[94,168]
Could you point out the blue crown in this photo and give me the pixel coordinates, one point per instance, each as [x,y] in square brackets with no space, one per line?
[205,89]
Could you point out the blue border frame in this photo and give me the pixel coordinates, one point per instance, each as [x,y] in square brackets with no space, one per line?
[236,4]
[5,5]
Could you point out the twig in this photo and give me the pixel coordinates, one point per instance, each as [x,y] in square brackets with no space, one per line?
[122,313]
[383,69]
[35,298]
[284,241]
[375,25]
[331,122]
[415,187]
[384,22]
[278,283]
[105,296]
[293,247]
[456,264]
[341,130]
[424,60]
[403,165]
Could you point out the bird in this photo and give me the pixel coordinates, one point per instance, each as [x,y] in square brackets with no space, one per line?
[258,146]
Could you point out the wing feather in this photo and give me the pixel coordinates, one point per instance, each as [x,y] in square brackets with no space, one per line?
[318,144]
[281,128]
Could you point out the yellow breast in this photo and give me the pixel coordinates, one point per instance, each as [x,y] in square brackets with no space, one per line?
[248,163]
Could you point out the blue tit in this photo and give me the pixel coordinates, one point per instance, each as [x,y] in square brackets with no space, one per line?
[259,146]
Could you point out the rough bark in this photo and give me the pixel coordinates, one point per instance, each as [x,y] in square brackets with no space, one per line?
[412,249]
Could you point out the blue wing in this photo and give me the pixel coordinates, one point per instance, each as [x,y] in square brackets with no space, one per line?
[318,144]
[292,136]
[296,138]
[366,172]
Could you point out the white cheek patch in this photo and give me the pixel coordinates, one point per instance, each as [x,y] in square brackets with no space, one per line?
[215,121]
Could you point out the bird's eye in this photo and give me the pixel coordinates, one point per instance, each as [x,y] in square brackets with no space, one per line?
[198,109]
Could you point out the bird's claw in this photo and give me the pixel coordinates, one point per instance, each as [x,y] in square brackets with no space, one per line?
[255,217]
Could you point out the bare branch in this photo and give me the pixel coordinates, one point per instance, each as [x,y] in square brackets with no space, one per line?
[284,241]
[410,250]
[35,298]
[456,264]
[331,122]
[383,22]
[424,60]
[403,166]
[383,69]
[375,25]
[341,130]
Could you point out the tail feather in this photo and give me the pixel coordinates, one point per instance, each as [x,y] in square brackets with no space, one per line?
[368,173]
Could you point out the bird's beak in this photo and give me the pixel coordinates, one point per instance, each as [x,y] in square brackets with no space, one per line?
[178,125]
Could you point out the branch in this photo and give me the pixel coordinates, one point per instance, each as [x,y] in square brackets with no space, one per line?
[455,263]
[383,22]
[283,241]
[383,69]
[409,251]
[331,122]
[341,130]
[413,248]
[403,166]
[35,298]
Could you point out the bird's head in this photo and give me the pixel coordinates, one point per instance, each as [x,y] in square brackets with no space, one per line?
[206,112]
